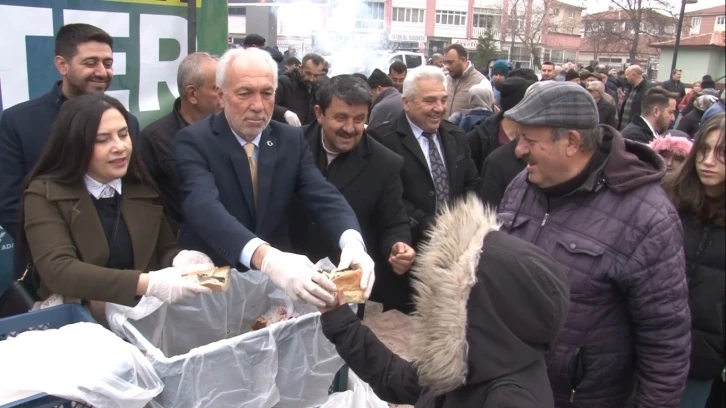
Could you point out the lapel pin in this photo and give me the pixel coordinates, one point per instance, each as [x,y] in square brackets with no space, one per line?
[269,143]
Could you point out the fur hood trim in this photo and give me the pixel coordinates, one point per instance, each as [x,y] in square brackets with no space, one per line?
[680,146]
[444,273]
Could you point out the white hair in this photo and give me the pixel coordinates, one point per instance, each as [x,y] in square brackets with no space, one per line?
[247,56]
[421,73]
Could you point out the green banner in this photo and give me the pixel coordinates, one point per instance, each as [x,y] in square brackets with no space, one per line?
[150,40]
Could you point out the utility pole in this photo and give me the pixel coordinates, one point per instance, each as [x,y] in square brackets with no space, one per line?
[678,32]
[191,26]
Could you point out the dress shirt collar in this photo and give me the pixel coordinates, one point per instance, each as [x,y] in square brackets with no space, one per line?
[100,190]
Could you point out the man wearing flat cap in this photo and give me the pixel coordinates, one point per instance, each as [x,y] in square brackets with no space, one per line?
[593,201]
[387,105]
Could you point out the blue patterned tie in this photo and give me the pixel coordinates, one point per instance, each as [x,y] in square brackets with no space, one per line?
[438,172]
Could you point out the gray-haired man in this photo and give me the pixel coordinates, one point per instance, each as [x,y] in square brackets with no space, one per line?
[437,164]
[593,201]
[198,98]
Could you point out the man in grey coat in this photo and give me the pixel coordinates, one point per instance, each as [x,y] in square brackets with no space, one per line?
[593,201]
[387,105]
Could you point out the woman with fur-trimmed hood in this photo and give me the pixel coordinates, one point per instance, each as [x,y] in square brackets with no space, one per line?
[489,306]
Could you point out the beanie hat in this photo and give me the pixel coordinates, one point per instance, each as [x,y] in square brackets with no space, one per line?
[379,78]
[571,74]
[511,92]
[672,142]
[500,67]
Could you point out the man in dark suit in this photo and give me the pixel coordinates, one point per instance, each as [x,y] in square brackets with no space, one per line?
[84,59]
[198,98]
[238,174]
[437,164]
[368,176]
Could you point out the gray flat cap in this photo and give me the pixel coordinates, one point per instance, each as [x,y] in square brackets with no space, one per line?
[556,104]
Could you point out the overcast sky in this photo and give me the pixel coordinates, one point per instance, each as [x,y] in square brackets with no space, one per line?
[594,6]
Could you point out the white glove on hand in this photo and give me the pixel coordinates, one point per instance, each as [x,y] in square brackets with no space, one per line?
[169,285]
[354,255]
[296,275]
[292,119]
[185,258]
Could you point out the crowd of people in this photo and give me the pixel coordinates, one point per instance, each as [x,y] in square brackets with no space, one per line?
[556,242]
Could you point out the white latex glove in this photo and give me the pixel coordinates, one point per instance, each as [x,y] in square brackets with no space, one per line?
[354,255]
[292,119]
[296,275]
[169,285]
[185,258]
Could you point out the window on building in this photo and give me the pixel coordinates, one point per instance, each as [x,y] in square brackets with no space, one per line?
[559,56]
[486,21]
[370,16]
[721,20]
[555,12]
[696,22]
[457,18]
[408,15]
[570,30]
[571,13]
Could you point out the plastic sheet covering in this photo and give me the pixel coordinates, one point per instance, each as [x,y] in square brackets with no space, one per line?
[81,362]
[359,395]
[207,355]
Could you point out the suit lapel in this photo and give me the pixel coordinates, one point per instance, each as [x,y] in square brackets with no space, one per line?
[238,159]
[143,222]
[352,164]
[266,159]
[408,140]
[87,230]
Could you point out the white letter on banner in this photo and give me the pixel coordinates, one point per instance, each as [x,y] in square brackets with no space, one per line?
[153,28]
[117,26]
[15,25]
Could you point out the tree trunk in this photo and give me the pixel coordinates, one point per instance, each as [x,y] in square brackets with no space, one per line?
[636,36]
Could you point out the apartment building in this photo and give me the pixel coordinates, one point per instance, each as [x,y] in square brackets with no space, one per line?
[608,38]
[549,27]
[704,21]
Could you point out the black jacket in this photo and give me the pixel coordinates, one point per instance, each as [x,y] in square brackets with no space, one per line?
[706,271]
[295,95]
[607,114]
[691,122]
[24,132]
[484,323]
[369,178]
[483,139]
[419,194]
[636,107]
[675,87]
[158,155]
[638,131]
[500,168]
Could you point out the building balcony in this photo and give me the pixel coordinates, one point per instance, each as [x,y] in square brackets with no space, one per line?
[480,31]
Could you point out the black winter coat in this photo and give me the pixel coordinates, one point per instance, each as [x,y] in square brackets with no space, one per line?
[295,95]
[483,139]
[500,168]
[706,271]
[691,122]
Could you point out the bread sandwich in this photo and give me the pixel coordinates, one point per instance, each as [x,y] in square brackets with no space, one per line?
[349,282]
[217,279]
